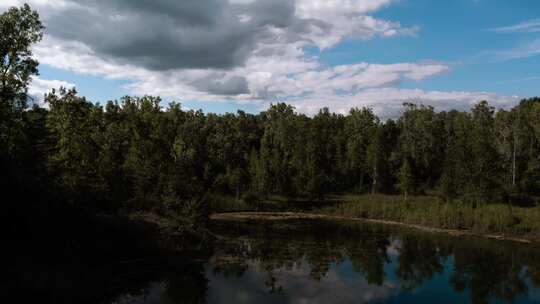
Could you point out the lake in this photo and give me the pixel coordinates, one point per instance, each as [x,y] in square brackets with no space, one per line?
[344,262]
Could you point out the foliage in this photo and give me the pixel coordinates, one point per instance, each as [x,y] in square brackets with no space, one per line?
[137,155]
[20,28]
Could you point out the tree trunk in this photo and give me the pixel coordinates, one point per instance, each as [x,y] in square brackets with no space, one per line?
[514,162]
[375,177]
[361,186]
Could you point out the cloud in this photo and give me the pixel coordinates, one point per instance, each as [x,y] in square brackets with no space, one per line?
[297,286]
[530,26]
[245,51]
[276,74]
[531,78]
[387,102]
[39,87]
[284,75]
[222,85]
[215,34]
[525,50]
[349,79]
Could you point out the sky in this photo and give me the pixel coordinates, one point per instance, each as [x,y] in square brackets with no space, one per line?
[225,55]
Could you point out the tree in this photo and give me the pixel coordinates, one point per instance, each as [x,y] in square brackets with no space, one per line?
[420,141]
[276,153]
[321,149]
[379,157]
[456,175]
[525,160]
[20,28]
[486,167]
[73,125]
[405,179]
[360,128]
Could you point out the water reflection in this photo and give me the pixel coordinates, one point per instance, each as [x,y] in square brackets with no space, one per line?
[298,262]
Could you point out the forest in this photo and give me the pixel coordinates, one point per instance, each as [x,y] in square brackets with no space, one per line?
[135,154]
[140,201]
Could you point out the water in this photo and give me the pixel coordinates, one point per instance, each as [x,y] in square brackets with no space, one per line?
[329,262]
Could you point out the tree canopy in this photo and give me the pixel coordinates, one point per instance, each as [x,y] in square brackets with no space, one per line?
[136,154]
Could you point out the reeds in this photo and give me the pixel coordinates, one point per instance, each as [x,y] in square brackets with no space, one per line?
[432,212]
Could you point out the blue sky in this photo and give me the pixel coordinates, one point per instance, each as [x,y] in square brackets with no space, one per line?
[224,55]
[459,33]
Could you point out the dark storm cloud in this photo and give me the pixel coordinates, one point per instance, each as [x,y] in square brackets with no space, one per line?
[235,85]
[167,34]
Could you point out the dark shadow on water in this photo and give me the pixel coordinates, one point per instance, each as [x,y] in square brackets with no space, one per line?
[95,260]
[286,262]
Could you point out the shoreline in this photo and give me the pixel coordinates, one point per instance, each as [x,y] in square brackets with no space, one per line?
[280,216]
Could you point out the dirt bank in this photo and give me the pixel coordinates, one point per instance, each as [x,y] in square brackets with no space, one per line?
[277,216]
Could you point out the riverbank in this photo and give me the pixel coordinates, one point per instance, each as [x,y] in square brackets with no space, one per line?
[495,219]
[425,211]
[280,216]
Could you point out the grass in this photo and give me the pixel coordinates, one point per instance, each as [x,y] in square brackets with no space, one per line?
[426,211]
[225,203]
[273,203]
[431,212]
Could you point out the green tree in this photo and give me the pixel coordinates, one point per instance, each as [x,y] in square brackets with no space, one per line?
[456,176]
[322,150]
[405,179]
[379,157]
[486,168]
[420,141]
[20,28]
[524,163]
[73,123]
[360,128]
[276,152]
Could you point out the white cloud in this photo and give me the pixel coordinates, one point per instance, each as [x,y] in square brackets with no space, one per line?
[530,26]
[387,102]
[525,50]
[297,286]
[288,76]
[349,20]
[349,78]
[39,87]
[275,67]
[324,8]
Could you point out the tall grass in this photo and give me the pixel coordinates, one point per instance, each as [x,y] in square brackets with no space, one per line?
[223,203]
[431,212]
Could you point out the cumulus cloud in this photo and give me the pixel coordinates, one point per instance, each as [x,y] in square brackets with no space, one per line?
[285,75]
[217,34]
[247,51]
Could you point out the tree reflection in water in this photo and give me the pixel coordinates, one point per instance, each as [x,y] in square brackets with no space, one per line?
[481,270]
[294,262]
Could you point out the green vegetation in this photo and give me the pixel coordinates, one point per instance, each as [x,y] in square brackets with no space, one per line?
[432,212]
[135,156]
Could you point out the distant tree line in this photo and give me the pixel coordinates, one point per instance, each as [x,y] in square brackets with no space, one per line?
[133,153]
[136,152]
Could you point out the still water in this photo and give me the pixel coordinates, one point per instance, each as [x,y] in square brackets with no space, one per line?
[344,262]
